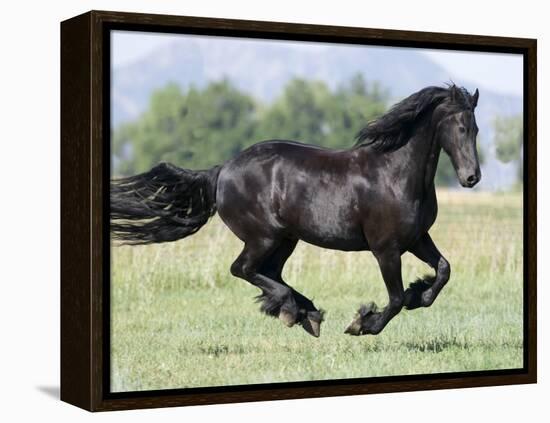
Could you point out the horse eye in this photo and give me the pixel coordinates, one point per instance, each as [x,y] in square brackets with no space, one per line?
[461,129]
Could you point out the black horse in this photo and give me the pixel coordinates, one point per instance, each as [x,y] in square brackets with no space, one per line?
[379,195]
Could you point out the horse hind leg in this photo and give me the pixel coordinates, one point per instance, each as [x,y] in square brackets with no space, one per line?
[276,299]
[309,317]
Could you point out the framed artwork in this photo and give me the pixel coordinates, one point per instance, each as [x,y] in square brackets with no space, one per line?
[260,210]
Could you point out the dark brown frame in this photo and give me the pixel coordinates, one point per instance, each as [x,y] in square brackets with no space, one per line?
[85,167]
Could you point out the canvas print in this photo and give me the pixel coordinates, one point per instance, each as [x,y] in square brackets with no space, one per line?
[291,211]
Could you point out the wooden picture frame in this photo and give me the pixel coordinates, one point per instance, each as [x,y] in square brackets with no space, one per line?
[85,67]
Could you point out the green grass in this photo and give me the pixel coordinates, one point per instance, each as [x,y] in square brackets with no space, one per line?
[179,319]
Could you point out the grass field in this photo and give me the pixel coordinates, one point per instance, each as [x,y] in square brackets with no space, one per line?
[179,319]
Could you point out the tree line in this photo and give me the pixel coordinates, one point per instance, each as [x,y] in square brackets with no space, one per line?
[201,127]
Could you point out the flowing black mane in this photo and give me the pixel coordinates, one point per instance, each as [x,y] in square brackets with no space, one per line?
[393,129]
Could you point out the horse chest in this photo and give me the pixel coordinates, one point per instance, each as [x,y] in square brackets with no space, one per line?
[421,220]
[398,222]
[417,221]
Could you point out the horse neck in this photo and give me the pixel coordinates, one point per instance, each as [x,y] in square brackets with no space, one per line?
[430,166]
[418,157]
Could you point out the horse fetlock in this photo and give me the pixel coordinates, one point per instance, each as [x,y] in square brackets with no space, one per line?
[287,317]
[364,321]
[413,299]
[417,293]
[273,306]
[444,269]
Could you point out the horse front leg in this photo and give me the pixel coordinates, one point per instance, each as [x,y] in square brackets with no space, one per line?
[423,292]
[370,321]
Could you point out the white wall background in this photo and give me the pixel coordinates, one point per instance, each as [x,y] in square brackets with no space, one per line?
[29,178]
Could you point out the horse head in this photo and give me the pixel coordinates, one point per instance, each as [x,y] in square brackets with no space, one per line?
[457,132]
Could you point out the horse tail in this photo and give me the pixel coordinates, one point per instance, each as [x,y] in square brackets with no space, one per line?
[164,204]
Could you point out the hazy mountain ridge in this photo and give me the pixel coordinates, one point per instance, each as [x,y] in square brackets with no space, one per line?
[262,69]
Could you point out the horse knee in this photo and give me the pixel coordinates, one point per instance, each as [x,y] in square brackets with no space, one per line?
[444,269]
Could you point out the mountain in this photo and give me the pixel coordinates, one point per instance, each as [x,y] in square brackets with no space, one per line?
[261,68]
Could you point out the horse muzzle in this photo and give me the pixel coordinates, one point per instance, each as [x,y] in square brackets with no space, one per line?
[471,180]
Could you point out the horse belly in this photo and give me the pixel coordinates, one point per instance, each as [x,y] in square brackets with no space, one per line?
[320,224]
[356,242]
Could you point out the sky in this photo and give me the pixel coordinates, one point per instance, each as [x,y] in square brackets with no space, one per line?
[498,71]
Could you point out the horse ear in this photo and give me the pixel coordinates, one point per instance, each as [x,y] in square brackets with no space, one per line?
[475,97]
[454,93]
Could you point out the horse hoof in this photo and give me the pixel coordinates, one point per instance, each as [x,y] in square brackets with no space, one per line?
[287,318]
[313,327]
[354,328]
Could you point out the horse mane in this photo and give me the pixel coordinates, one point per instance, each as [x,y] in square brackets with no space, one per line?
[393,129]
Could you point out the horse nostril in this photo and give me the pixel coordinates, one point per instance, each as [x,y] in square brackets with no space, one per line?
[472,179]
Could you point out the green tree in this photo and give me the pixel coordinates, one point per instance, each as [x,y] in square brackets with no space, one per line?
[509,141]
[197,129]
[349,109]
[308,111]
[297,114]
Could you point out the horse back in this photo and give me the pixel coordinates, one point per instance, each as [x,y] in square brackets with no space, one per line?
[293,190]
